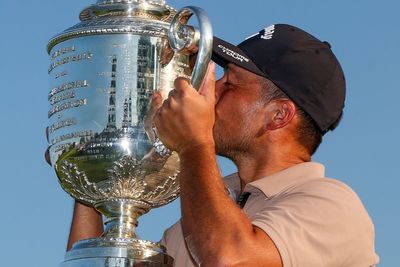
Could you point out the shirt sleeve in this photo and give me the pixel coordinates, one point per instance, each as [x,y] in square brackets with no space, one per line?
[176,247]
[320,223]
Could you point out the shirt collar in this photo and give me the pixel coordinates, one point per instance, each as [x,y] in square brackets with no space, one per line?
[277,182]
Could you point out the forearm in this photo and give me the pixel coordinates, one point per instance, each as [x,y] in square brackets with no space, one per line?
[213,224]
[86,223]
[217,232]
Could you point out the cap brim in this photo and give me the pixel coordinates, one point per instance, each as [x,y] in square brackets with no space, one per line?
[224,53]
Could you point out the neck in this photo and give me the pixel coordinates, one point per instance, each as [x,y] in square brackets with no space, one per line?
[254,166]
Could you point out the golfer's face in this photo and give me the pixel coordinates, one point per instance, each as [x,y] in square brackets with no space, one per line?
[238,95]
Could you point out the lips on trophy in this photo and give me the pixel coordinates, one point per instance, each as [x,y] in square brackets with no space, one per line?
[102,143]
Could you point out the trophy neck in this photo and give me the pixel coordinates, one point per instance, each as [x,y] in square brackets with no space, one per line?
[120,227]
[121,217]
[145,9]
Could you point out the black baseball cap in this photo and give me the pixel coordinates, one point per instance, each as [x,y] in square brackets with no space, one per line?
[302,66]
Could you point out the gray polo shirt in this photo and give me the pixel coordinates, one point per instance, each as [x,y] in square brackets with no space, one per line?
[314,221]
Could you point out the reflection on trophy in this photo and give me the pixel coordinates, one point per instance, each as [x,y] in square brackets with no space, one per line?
[102,143]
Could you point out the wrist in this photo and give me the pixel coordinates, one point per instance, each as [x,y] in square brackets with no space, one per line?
[197,148]
[81,208]
[197,155]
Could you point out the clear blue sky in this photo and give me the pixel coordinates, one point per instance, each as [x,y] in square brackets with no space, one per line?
[363,152]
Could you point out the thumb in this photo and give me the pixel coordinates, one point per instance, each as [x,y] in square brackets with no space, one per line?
[208,87]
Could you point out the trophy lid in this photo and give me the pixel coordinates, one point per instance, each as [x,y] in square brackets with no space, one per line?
[146,9]
[116,16]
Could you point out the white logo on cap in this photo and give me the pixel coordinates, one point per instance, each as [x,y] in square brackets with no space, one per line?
[268,32]
[233,54]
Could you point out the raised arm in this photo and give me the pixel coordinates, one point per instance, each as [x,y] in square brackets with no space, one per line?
[216,231]
[86,223]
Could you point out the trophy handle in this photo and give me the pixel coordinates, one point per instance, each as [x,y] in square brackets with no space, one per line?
[187,39]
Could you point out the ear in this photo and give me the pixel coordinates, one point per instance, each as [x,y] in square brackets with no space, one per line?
[280,113]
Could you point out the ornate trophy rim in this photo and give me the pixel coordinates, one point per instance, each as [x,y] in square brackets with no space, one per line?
[95,196]
[140,8]
[129,248]
[112,17]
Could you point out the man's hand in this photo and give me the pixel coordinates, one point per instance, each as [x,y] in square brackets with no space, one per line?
[186,118]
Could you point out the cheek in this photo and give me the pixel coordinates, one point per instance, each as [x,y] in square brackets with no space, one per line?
[226,111]
[228,100]
[229,118]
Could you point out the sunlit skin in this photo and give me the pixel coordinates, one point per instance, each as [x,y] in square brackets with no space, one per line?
[256,135]
[86,223]
[246,128]
[225,117]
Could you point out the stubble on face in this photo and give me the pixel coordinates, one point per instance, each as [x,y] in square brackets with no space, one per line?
[229,144]
[234,137]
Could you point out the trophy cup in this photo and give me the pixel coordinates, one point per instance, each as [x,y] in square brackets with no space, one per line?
[102,143]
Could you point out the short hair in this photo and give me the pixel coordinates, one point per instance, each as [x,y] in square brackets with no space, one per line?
[308,133]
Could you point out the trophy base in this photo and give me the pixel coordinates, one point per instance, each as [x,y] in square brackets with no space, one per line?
[117,252]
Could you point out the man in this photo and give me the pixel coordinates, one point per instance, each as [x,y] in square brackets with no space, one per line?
[281,91]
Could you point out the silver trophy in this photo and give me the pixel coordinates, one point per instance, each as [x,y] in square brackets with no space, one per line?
[102,143]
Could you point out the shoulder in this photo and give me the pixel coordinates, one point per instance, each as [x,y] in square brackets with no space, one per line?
[328,201]
[324,184]
[324,187]
[327,214]
[328,193]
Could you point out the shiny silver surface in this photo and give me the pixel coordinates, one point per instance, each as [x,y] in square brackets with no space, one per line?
[99,144]
[189,40]
[102,143]
[101,252]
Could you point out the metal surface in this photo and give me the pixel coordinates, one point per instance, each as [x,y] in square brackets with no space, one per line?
[102,144]
[101,252]
[189,40]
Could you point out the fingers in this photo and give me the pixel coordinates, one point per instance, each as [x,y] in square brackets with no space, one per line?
[47,152]
[156,102]
[47,134]
[208,87]
[47,156]
[173,93]
[181,84]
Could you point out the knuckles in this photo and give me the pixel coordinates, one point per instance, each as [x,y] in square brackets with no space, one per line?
[181,83]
